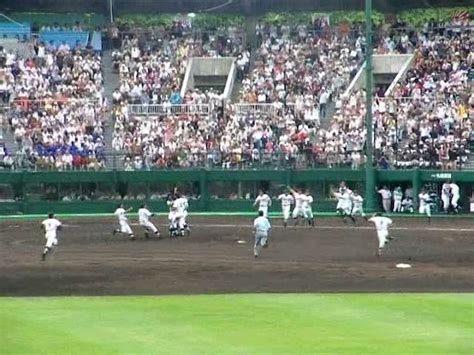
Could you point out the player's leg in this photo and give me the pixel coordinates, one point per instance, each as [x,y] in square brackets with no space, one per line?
[454,203]
[348,213]
[296,215]
[256,246]
[152,228]
[126,229]
[50,242]
[286,215]
[428,213]
[445,200]
[309,216]
[382,237]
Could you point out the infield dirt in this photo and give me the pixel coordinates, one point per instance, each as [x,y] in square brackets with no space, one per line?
[332,257]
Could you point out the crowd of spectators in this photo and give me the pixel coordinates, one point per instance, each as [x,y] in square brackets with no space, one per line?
[57,107]
[152,64]
[300,72]
[427,120]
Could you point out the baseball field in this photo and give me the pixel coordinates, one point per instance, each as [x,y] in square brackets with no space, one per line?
[315,290]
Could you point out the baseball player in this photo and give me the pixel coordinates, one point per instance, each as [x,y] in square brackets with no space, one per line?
[344,202]
[397,199]
[298,211]
[144,218]
[181,205]
[263,201]
[381,224]
[50,227]
[454,196]
[446,196]
[173,221]
[286,201]
[124,227]
[386,198]
[357,205]
[262,227]
[424,200]
[307,208]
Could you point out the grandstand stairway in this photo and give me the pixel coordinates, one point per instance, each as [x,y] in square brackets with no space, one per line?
[111,81]
[7,136]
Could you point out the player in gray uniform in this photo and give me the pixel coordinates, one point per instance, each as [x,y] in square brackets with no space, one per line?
[262,227]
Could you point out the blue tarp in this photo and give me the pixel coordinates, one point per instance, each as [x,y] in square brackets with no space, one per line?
[70,37]
[12,30]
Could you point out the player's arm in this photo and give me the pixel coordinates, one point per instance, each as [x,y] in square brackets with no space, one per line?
[256,201]
[291,190]
[269,201]
[130,209]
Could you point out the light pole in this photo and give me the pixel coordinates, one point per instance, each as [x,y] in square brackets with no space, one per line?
[369,151]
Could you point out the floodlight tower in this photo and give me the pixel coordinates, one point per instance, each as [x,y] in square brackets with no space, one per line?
[369,150]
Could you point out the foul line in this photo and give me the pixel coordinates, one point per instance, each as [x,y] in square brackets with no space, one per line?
[292,228]
[220,214]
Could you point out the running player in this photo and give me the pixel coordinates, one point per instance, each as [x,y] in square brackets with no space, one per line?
[50,226]
[307,208]
[286,201]
[382,225]
[424,201]
[124,227]
[263,201]
[344,202]
[446,196]
[181,205]
[261,226]
[298,211]
[144,218]
[357,205]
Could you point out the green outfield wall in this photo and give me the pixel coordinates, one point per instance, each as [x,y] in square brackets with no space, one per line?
[209,190]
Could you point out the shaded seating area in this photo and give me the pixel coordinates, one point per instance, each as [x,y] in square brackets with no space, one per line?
[14,30]
[71,38]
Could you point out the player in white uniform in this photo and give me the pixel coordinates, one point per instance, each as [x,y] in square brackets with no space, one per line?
[454,196]
[344,202]
[286,201]
[308,208]
[386,198]
[357,205]
[262,227]
[263,201]
[124,227]
[144,218]
[298,211]
[180,205]
[424,202]
[50,226]
[381,224]
[446,196]
[397,199]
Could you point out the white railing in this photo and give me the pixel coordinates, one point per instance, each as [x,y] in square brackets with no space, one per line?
[256,108]
[164,109]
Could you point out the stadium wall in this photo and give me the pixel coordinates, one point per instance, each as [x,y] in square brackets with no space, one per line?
[28,197]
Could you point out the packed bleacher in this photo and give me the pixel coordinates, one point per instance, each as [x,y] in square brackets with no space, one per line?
[297,79]
[56,107]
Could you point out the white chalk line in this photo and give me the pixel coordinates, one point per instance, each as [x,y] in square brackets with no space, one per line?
[348,227]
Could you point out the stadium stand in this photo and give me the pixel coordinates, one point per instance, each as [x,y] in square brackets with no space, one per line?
[13,30]
[73,39]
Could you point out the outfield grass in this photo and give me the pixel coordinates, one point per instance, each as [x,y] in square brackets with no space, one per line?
[240,324]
